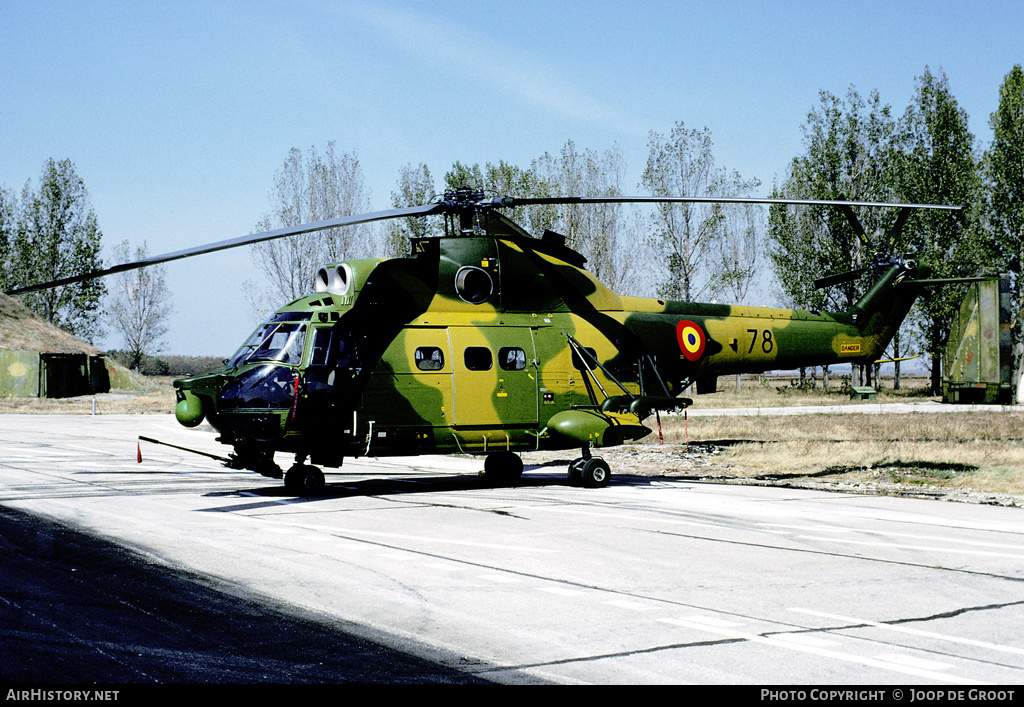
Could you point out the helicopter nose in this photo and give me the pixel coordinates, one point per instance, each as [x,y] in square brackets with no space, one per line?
[189,410]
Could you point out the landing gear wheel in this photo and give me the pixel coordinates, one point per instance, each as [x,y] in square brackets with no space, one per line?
[304,480]
[502,468]
[595,473]
[576,471]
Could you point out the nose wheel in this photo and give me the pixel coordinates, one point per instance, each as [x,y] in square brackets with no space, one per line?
[589,471]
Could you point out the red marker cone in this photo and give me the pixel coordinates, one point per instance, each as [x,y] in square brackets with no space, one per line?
[139,448]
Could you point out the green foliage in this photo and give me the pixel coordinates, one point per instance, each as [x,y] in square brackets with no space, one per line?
[191,365]
[936,163]
[8,229]
[166,365]
[596,231]
[1004,181]
[144,364]
[504,178]
[855,150]
[415,187]
[1004,171]
[53,233]
[848,156]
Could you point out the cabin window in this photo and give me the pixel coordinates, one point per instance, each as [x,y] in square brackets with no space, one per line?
[321,347]
[478,358]
[332,347]
[429,358]
[511,358]
[265,387]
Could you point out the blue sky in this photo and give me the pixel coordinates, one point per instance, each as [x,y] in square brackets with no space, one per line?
[178,114]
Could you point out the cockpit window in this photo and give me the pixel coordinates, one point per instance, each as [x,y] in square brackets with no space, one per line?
[273,341]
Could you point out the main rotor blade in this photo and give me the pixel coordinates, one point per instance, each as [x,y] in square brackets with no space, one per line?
[513,201]
[236,243]
[445,206]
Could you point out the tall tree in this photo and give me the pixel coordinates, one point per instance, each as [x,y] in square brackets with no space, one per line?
[505,179]
[463,175]
[415,187]
[938,165]
[310,187]
[138,305]
[682,164]
[1004,176]
[848,155]
[737,253]
[600,232]
[58,236]
[8,230]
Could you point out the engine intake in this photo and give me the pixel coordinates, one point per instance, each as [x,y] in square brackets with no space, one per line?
[336,279]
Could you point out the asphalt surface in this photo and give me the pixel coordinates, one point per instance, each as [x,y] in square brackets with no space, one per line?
[175,571]
[75,609]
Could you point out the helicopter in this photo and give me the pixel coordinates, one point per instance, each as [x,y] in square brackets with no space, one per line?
[491,341]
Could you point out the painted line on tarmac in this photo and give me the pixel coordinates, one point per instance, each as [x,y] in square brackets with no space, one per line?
[804,647]
[912,631]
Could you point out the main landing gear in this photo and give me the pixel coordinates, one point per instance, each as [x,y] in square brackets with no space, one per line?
[502,468]
[304,479]
[589,471]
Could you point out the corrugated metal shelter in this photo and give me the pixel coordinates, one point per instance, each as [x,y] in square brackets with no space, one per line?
[35,374]
[977,365]
[39,360]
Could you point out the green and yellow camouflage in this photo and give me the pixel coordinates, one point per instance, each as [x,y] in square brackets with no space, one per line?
[978,362]
[490,341]
[495,342]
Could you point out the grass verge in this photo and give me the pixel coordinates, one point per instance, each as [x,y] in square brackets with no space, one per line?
[981,451]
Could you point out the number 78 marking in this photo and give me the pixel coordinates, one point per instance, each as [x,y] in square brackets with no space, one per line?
[767,342]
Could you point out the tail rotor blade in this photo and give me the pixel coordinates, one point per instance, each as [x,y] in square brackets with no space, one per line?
[854,222]
[897,228]
[830,280]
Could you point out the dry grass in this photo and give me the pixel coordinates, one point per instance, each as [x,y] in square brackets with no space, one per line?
[983,451]
[957,449]
[757,391]
[147,396]
[21,330]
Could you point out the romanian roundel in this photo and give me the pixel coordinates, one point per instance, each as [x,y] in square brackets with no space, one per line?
[691,339]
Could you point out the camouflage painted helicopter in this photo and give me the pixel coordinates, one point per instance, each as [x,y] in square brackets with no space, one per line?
[491,341]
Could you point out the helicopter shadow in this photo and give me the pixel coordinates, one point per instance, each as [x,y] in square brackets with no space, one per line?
[407,484]
[382,486]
